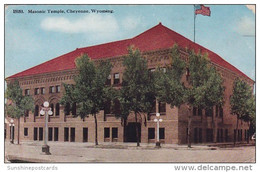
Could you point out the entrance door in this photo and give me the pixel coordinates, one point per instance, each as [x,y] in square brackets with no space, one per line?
[131,132]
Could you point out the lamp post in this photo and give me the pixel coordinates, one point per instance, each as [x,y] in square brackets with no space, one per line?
[158,120]
[46,110]
[12,131]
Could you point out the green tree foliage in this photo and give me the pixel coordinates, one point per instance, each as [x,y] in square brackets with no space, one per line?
[168,85]
[90,91]
[20,103]
[136,94]
[242,102]
[204,88]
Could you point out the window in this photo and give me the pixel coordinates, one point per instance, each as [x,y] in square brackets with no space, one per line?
[235,135]
[151,133]
[42,90]
[85,134]
[200,112]
[194,111]
[114,133]
[116,78]
[74,109]
[27,92]
[153,106]
[209,135]
[26,113]
[162,107]
[57,109]
[35,133]
[36,110]
[106,133]
[25,132]
[161,133]
[209,112]
[195,135]
[52,89]
[221,111]
[218,135]
[116,107]
[226,135]
[241,134]
[66,134]
[36,91]
[72,134]
[108,81]
[50,134]
[245,135]
[200,135]
[67,109]
[40,133]
[107,107]
[52,107]
[56,134]
[217,110]
[58,89]
[221,135]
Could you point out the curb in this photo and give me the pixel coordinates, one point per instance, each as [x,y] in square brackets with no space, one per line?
[20,159]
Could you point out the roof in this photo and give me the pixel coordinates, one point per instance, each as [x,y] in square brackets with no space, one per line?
[158,37]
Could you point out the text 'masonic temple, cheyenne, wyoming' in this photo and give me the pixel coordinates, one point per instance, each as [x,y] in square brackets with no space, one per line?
[44,83]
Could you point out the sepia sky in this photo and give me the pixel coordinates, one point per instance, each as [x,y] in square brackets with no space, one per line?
[33,38]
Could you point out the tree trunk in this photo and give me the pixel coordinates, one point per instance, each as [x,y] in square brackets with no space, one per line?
[236,133]
[137,131]
[124,125]
[18,135]
[96,134]
[189,127]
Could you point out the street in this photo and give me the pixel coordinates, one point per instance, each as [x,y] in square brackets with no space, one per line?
[125,152]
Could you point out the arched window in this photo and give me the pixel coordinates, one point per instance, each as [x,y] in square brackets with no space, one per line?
[36,110]
[74,108]
[26,113]
[67,109]
[116,107]
[57,109]
[52,107]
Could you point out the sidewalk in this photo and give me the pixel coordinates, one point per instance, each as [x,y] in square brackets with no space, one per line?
[104,152]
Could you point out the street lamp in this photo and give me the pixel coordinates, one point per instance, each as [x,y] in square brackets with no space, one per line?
[46,110]
[158,120]
[12,130]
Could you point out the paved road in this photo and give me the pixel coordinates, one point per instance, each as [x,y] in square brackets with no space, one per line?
[78,152]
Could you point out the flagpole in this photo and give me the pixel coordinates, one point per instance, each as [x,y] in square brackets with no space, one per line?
[194,23]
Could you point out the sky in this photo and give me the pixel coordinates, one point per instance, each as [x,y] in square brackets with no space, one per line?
[33,38]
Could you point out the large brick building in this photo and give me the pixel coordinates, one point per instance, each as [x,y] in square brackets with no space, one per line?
[44,83]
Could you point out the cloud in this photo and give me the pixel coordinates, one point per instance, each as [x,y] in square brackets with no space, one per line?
[245,26]
[131,22]
[251,7]
[21,40]
[90,24]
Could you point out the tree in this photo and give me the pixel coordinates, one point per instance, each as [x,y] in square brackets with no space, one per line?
[90,91]
[242,102]
[136,93]
[252,117]
[19,105]
[203,90]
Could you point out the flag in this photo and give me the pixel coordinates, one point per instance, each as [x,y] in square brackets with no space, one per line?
[201,9]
